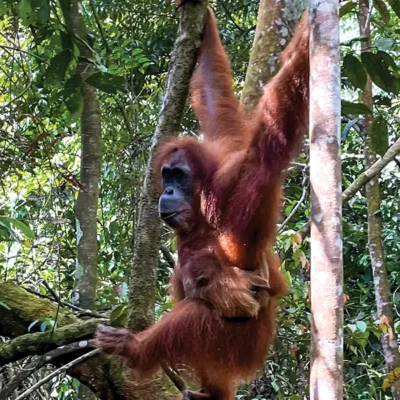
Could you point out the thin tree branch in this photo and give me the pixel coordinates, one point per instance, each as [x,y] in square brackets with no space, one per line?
[168,256]
[101,30]
[35,365]
[57,372]
[371,172]
[81,311]
[363,179]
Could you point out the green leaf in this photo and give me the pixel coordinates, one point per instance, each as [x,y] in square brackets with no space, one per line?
[355,71]
[58,67]
[382,9]
[395,4]
[25,11]
[379,134]
[19,225]
[380,67]
[361,326]
[66,41]
[352,327]
[2,304]
[346,8]
[354,108]
[119,316]
[44,12]
[384,43]
[3,7]
[106,82]
[73,93]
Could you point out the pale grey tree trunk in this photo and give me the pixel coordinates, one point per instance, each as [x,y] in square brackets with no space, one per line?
[86,205]
[376,251]
[326,381]
[276,23]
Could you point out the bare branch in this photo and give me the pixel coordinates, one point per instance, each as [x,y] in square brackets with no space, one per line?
[371,172]
[36,364]
[363,179]
[57,372]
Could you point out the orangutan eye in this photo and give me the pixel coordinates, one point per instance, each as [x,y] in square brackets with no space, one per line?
[178,173]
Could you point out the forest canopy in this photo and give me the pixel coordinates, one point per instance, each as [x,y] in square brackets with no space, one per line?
[81,100]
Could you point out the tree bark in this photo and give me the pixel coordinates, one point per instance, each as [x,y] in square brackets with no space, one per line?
[143,275]
[326,381]
[376,250]
[106,376]
[86,206]
[276,23]
[363,179]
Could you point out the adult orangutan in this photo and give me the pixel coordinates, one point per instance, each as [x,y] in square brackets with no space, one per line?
[223,197]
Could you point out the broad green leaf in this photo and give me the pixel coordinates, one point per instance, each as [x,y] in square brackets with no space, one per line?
[354,108]
[381,100]
[22,227]
[384,43]
[382,9]
[73,94]
[3,7]
[19,225]
[44,12]
[355,71]
[106,82]
[361,326]
[346,8]
[74,104]
[66,41]
[380,67]
[119,316]
[379,134]
[25,11]
[58,67]
[395,4]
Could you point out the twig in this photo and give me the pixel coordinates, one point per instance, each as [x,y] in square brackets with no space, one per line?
[371,172]
[101,30]
[37,364]
[81,311]
[173,376]
[295,208]
[168,256]
[363,179]
[57,372]
[230,16]
[23,51]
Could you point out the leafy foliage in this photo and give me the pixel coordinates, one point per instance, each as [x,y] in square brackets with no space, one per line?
[41,101]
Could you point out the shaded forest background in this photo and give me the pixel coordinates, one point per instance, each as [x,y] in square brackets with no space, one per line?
[81,86]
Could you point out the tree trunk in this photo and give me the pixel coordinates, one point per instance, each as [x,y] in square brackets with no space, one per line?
[143,277]
[86,205]
[376,251]
[326,381]
[275,26]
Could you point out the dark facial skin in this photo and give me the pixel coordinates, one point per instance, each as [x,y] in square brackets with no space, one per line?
[174,205]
